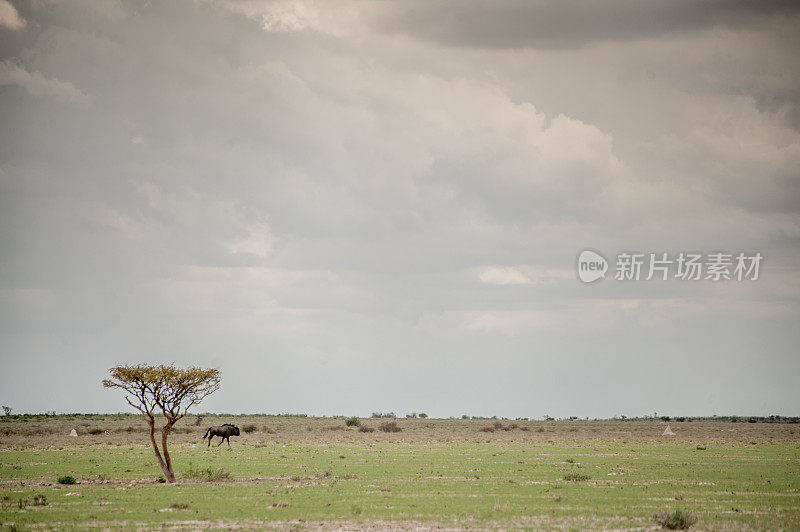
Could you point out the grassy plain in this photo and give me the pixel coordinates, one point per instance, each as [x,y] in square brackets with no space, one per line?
[311,473]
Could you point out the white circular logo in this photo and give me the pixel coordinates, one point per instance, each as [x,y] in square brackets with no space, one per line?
[591,266]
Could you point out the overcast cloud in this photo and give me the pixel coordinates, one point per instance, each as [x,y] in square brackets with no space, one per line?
[359,206]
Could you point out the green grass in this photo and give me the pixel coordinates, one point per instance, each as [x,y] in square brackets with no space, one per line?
[576,477]
[206,475]
[369,478]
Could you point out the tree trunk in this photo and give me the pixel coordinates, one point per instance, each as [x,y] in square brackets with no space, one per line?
[168,466]
[167,470]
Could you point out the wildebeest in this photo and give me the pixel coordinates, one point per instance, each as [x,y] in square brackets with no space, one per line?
[223,431]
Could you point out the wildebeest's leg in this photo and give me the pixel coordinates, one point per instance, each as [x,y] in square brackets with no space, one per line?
[209,440]
[229,441]
[221,441]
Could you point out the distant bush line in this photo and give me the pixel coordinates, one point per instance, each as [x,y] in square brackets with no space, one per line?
[193,419]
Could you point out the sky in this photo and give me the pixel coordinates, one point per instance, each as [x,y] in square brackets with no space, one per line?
[360,206]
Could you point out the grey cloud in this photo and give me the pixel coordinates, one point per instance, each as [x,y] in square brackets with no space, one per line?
[38,85]
[9,17]
[305,208]
[553,24]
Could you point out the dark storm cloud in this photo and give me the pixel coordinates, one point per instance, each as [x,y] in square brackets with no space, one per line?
[311,194]
[558,24]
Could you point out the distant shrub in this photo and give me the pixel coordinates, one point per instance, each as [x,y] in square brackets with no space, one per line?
[423,415]
[465,416]
[161,479]
[381,414]
[498,425]
[676,520]
[540,429]
[39,500]
[389,426]
[575,477]
[352,422]
[208,474]
[487,429]
[66,479]
[701,447]
[249,428]
[364,428]
[95,432]
[570,460]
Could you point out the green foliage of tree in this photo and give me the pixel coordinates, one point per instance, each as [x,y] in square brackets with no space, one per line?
[163,389]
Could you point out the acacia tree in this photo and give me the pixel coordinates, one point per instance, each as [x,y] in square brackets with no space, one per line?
[166,390]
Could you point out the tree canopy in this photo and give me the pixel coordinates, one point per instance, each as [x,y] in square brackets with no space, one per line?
[169,389]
